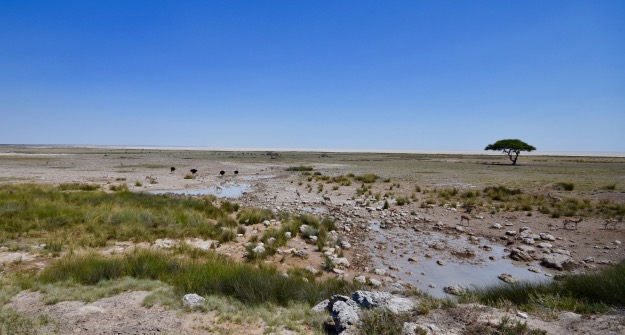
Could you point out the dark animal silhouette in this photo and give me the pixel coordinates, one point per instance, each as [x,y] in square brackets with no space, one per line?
[222,172]
[173,169]
[193,171]
[236,171]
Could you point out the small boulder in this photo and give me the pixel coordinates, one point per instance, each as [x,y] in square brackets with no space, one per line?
[453,289]
[192,300]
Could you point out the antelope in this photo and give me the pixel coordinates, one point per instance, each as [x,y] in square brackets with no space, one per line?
[573,221]
[612,222]
[465,217]
[554,199]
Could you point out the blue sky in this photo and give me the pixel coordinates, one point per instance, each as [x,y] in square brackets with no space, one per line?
[382,75]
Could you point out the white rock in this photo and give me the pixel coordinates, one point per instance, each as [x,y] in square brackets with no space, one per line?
[192,300]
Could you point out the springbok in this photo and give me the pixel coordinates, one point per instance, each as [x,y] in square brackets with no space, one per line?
[612,222]
[573,221]
[465,217]
[554,199]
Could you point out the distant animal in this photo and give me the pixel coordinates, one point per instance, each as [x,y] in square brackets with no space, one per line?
[222,172]
[572,221]
[465,217]
[612,222]
[173,169]
[193,171]
[554,199]
[236,171]
[327,198]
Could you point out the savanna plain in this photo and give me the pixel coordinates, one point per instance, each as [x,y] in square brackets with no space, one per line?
[114,240]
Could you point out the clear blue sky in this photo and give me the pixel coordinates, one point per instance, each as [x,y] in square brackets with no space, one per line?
[441,75]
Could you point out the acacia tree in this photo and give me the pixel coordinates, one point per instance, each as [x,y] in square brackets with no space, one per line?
[512,148]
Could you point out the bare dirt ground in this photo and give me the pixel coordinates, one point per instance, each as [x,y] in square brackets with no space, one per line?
[426,248]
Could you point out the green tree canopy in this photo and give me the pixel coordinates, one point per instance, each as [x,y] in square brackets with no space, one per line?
[512,148]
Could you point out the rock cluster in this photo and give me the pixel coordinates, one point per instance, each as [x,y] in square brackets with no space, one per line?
[346,311]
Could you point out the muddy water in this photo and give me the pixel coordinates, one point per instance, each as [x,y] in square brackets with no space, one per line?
[222,191]
[464,262]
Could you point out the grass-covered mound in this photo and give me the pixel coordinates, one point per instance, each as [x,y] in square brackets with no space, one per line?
[206,273]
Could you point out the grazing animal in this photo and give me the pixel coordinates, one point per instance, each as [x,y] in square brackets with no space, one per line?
[327,198]
[236,171]
[465,217]
[222,172]
[173,169]
[554,199]
[573,221]
[193,171]
[612,222]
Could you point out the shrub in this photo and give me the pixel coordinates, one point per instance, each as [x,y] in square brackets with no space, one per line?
[367,178]
[119,188]
[564,186]
[79,187]
[299,168]
[250,216]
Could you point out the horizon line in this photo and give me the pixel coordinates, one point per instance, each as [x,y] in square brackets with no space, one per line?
[336,150]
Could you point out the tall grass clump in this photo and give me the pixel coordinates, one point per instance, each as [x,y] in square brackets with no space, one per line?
[250,216]
[580,293]
[91,218]
[78,187]
[500,193]
[208,275]
[367,178]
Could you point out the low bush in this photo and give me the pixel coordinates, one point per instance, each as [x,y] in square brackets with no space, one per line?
[566,186]
[299,168]
[367,178]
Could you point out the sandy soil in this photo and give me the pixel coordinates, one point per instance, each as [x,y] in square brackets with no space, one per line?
[404,241]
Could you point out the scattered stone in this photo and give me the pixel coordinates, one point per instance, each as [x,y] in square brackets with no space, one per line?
[259,249]
[546,237]
[556,261]
[383,300]
[192,300]
[528,241]
[506,277]
[374,282]
[496,226]
[413,259]
[544,245]
[453,289]
[589,259]
[345,245]
[361,279]
[440,262]
[287,234]
[301,253]
[521,315]
[379,272]
[534,269]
